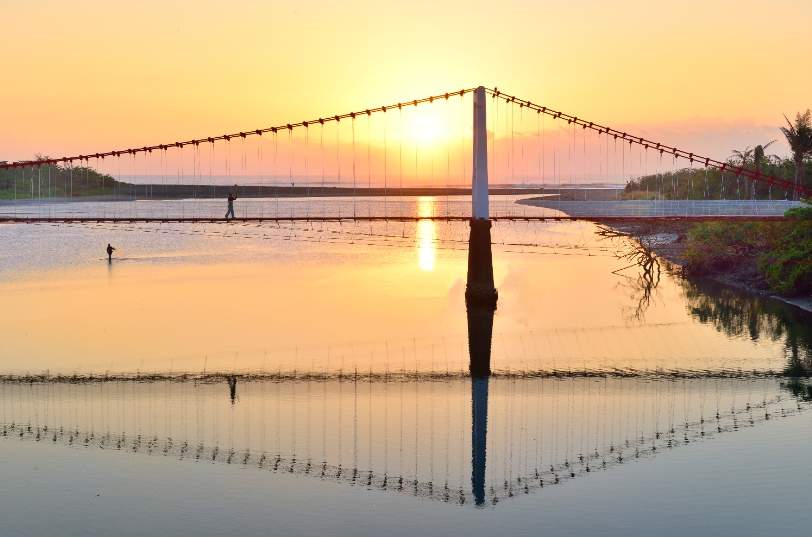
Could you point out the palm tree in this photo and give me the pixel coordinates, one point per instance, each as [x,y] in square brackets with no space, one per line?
[743,157]
[799,138]
[758,158]
[758,155]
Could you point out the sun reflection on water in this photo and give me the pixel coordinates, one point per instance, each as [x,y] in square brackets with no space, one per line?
[426,234]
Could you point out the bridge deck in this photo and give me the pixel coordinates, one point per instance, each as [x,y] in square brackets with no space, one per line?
[195,220]
[455,208]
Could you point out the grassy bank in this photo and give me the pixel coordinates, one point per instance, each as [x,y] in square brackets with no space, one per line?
[780,252]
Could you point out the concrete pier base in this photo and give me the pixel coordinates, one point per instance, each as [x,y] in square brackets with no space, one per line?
[479,289]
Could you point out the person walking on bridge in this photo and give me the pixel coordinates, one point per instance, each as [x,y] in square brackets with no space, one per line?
[110,251]
[230,210]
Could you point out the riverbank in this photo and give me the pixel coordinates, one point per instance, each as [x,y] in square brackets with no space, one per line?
[668,240]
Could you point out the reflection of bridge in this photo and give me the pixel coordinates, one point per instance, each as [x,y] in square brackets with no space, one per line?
[366,164]
[446,438]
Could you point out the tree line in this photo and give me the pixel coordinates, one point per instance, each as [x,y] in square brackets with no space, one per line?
[54,180]
[705,183]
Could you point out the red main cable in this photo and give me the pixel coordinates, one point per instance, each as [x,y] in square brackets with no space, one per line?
[662,148]
[647,144]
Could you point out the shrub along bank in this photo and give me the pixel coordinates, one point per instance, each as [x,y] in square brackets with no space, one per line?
[780,251]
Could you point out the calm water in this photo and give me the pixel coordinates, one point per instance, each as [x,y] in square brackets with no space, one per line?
[312,379]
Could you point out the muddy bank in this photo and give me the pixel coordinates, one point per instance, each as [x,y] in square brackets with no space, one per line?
[581,193]
[667,240]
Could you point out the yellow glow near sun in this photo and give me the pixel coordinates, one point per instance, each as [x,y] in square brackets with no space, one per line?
[425,129]
[426,234]
[426,250]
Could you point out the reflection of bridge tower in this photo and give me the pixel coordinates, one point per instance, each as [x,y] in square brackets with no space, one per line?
[480,330]
[479,437]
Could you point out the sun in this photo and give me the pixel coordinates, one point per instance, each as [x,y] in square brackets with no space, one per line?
[426,129]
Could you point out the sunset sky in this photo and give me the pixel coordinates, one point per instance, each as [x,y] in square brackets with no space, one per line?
[89,76]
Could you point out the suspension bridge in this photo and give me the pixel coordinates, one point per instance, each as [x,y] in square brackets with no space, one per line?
[515,160]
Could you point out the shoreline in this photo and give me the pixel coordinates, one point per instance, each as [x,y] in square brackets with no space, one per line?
[666,240]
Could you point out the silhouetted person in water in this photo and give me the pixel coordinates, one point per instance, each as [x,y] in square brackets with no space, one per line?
[110,251]
[232,388]
[230,211]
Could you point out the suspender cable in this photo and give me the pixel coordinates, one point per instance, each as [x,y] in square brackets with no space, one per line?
[570,151]
[243,160]
[180,172]
[495,129]
[400,147]
[369,166]
[431,151]
[463,179]
[306,170]
[353,167]
[276,185]
[447,164]
[321,143]
[416,142]
[49,186]
[338,165]
[539,155]
[136,181]
[261,176]
[385,171]
[290,170]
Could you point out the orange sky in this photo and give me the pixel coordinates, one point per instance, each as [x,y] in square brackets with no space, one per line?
[89,76]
